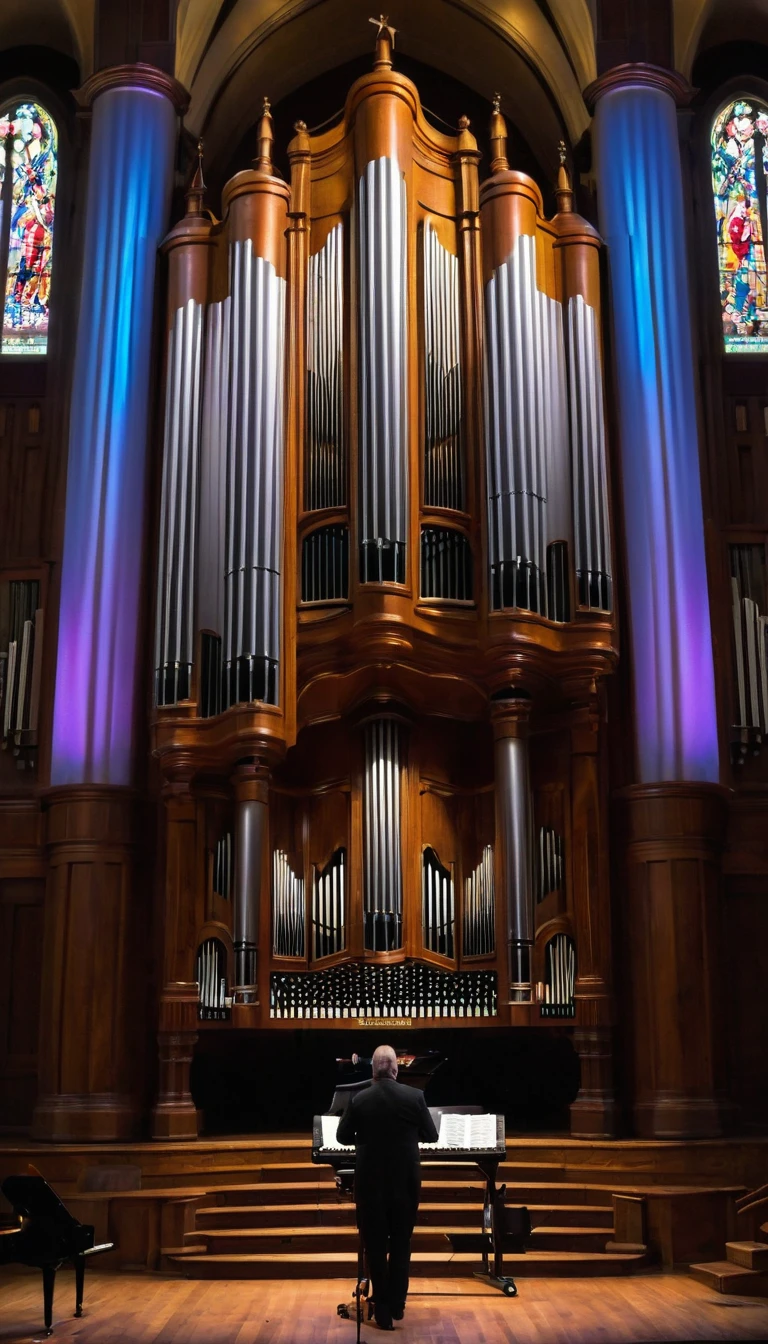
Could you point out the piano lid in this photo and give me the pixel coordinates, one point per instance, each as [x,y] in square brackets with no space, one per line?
[32,1197]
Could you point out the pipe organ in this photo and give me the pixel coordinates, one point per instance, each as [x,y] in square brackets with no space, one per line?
[384,578]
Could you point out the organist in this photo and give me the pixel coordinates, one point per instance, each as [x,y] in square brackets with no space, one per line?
[385,1122]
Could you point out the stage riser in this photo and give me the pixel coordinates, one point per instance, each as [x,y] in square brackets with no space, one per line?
[274,1241]
[518,1192]
[345,1266]
[461,1215]
[209,1163]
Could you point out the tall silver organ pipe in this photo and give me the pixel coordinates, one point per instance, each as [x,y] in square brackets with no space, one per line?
[480,908]
[443,465]
[213,469]
[175,621]
[592,542]
[382,253]
[325,467]
[254,539]
[383,895]
[329,920]
[288,912]
[211,973]
[514,823]
[527,449]
[250,836]
[437,904]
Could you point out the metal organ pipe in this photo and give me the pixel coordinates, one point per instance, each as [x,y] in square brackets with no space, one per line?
[325,468]
[175,621]
[382,256]
[252,587]
[443,464]
[328,907]
[250,834]
[526,428]
[479,909]
[383,895]
[514,835]
[213,469]
[590,485]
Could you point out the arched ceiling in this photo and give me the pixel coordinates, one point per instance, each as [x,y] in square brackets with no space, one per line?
[63,25]
[229,57]
[700,24]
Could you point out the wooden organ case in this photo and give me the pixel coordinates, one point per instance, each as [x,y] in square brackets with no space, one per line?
[384,599]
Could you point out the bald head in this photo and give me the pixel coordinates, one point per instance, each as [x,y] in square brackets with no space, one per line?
[384,1062]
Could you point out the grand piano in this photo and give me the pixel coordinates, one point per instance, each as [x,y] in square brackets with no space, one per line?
[465,1134]
[48,1237]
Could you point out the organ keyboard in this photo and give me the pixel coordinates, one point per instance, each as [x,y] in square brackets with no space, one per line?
[461,1137]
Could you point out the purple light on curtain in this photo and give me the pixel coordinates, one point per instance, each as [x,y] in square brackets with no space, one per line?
[643,222]
[131,162]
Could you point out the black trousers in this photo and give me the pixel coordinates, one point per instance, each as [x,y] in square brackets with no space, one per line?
[386,1227]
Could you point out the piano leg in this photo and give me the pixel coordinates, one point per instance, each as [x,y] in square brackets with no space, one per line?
[79,1282]
[49,1279]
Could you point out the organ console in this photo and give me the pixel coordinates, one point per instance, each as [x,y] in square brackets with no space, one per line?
[384,585]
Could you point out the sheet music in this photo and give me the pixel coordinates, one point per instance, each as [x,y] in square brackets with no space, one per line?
[482,1131]
[330,1124]
[464,1131]
[456,1131]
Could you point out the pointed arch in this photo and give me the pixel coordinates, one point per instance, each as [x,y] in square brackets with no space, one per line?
[739,162]
[29,166]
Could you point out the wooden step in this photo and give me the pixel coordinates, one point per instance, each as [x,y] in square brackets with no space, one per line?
[462,1214]
[725,1277]
[438,1170]
[305,1237]
[296,1192]
[748,1254]
[343,1264]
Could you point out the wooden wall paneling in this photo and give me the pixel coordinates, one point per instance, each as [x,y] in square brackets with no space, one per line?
[593,1113]
[21,943]
[24,451]
[94,968]
[174,1115]
[673,835]
[745,939]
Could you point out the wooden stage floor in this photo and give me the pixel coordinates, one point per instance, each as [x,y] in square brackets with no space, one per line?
[155,1309]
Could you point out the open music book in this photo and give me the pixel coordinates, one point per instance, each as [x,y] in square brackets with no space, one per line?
[456,1131]
[465,1131]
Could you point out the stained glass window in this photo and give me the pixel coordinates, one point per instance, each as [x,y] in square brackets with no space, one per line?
[28,172]
[739,168]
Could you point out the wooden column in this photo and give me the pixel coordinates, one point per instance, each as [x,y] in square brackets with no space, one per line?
[174,1115]
[95,965]
[673,835]
[593,1113]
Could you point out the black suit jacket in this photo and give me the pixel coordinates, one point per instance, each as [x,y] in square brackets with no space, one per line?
[386,1121]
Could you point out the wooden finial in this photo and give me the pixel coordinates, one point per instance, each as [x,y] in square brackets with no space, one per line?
[385,41]
[196,193]
[563,190]
[263,161]
[498,129]
[467,141]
